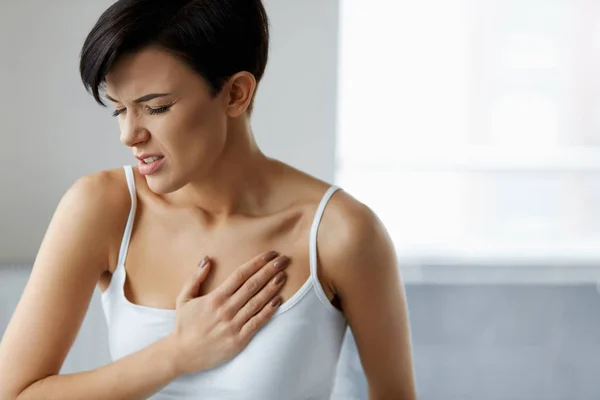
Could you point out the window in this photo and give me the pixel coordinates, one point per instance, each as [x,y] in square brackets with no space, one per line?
[472,127]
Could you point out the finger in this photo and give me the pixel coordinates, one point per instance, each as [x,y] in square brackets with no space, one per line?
[245,271]
[258,302]
[259,320]
[254,284]
[191,287]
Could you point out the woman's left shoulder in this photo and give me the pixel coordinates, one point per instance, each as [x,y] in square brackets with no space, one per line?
[348,221]
[350,234]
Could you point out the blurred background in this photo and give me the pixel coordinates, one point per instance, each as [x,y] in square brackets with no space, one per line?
[471,127]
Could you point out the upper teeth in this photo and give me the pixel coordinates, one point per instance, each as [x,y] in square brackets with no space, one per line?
[151,159]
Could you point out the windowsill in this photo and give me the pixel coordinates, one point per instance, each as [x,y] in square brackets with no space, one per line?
[501,274]
[545,259]
[500,266]
[566,262]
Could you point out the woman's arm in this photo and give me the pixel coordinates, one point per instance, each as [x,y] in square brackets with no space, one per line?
[359,258]
[209,330]
[72,256]
[136,376]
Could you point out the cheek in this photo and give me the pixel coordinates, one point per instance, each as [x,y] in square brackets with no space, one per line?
[201,133]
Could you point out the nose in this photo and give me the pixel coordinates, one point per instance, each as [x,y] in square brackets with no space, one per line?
[132,130]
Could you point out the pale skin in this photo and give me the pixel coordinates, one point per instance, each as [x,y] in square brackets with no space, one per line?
[215,195]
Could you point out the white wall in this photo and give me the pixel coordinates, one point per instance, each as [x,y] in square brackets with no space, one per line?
[52,131]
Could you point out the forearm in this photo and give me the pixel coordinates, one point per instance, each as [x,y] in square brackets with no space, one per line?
[402,393]
[137,376]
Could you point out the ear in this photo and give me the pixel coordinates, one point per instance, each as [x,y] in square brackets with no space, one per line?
[241,88]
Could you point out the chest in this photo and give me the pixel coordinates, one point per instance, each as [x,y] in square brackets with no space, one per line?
[164,251]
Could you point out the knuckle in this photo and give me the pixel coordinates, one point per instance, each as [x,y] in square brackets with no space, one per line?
[233,341]
[252,286]
[213,303]
[239,276]
[224,314]
[253,305]
[241,340]
[217,299]
[253,324]
[232,332]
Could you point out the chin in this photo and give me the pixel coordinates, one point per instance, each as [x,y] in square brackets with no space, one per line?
[161,184]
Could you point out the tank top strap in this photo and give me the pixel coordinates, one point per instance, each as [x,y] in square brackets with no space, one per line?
[129,227]
[313,248]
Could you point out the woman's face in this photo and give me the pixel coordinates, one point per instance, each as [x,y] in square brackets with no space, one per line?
[165,109]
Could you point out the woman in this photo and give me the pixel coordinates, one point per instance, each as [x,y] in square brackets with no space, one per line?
[263,316]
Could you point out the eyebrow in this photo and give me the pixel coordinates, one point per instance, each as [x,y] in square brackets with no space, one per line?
[142,99]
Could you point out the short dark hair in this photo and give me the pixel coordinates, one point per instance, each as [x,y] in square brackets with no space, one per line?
[217,38]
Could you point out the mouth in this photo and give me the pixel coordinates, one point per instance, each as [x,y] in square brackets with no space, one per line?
[150,160]
[150,165]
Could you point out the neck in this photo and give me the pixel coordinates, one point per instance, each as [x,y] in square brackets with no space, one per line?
[236,184]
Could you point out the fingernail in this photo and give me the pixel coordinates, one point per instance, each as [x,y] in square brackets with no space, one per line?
[282,262]
[279,278]
[203,262]
[275,302]
[269,256]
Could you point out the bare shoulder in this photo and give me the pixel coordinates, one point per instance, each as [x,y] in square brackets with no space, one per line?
[347,223]
[351,235]
[352,239]
[107,187]
[349,231]
[100,202]
[102,196]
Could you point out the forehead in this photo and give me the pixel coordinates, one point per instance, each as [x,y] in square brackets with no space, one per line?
[147,70]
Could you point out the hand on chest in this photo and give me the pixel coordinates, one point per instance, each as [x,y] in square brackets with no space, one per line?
[163,254]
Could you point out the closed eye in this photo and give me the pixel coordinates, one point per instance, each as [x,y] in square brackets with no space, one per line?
[158,110]
[151,110]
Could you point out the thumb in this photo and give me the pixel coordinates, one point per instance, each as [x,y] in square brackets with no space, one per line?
[191,287]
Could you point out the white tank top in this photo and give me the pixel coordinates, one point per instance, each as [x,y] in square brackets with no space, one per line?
[293,357]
